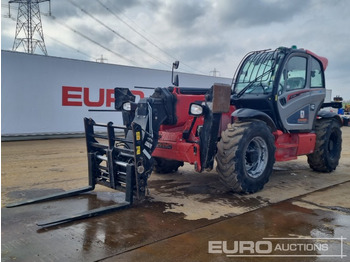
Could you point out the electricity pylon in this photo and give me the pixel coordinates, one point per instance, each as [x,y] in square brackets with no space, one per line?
[29,31]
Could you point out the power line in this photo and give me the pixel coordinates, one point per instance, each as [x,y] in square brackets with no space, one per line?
[144,37]
[140,28]
[63,44]
[133,29]
[100,45]
[118,34]
[89,39]
[73,30]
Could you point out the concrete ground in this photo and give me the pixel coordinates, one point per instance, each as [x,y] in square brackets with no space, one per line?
[300,215]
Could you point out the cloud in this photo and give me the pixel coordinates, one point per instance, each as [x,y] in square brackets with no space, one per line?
[201,50]
[65,9]
[263,12]
[183,14]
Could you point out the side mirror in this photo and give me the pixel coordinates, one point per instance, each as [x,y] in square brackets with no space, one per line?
[176,65]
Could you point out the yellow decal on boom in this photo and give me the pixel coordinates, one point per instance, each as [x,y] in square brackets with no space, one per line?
[138,150]
[138,135]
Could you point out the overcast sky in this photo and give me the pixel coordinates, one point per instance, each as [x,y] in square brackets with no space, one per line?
[205,35]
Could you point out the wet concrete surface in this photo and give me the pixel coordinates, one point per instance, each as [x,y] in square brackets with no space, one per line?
[183,212]
[145,233]
[282,220]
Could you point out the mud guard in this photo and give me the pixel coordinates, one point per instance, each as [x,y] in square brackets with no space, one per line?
[329,114]
[248,113]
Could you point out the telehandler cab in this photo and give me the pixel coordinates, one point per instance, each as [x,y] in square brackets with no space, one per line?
[271,112]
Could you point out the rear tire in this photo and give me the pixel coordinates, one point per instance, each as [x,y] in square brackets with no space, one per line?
[166,166]
[326,155]
[246,155]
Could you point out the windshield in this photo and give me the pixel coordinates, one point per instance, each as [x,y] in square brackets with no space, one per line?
[256,73]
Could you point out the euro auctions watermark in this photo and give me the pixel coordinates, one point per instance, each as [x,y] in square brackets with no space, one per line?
[280,247]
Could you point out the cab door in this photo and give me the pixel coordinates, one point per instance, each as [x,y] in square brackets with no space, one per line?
[301,92]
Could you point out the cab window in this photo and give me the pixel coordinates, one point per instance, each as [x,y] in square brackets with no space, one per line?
[294,74]
[317,79]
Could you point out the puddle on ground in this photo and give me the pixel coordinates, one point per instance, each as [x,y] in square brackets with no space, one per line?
[203,206]
[206,198]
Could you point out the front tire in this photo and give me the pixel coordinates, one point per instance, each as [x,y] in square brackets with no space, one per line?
[326,155]
[246,155]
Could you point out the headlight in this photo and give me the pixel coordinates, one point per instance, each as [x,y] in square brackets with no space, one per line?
[127,106]
[196,110]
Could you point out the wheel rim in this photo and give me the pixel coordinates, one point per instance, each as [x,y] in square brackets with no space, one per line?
[256,157]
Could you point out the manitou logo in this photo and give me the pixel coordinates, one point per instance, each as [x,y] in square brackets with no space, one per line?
[79,96]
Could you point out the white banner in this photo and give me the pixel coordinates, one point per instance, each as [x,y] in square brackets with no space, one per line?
[51,95]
